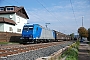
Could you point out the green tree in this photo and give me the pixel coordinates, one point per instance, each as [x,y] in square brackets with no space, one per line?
[72,36]
[83,32]
[89,34]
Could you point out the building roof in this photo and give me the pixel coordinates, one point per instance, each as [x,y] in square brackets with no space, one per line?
[8,21]
[18,10]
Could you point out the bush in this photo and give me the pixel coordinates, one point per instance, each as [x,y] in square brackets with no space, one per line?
[72,52]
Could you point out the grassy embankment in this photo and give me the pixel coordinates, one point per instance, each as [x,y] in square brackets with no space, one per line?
[71,53]
[2,43]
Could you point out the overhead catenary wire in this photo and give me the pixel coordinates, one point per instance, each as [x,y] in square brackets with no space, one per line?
[73,12]
[52,15]
[47,11]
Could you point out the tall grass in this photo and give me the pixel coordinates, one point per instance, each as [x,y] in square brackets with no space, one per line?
[72,52]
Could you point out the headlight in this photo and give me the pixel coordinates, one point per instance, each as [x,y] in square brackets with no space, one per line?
[21,38]
[30,38]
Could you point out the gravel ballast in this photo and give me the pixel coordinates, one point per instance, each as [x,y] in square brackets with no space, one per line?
[34,54]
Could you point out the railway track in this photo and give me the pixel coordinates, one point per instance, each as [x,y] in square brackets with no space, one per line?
[18,49]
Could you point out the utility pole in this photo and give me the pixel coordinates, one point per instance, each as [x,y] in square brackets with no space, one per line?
[82,21]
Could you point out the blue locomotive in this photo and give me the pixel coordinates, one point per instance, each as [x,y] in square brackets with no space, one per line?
[36,33]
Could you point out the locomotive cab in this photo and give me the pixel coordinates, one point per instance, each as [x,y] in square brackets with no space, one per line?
[27,32]
[30,33]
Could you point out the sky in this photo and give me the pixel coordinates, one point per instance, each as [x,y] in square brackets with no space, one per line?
[63,15]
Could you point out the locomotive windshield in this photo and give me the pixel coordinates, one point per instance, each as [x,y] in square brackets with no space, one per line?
[30,28]
[27,28]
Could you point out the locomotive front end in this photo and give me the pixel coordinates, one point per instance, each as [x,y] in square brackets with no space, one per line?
[27,33]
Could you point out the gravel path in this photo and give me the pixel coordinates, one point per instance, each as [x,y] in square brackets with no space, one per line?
[84,54]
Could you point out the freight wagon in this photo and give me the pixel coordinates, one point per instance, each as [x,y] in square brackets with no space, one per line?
[61,36]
